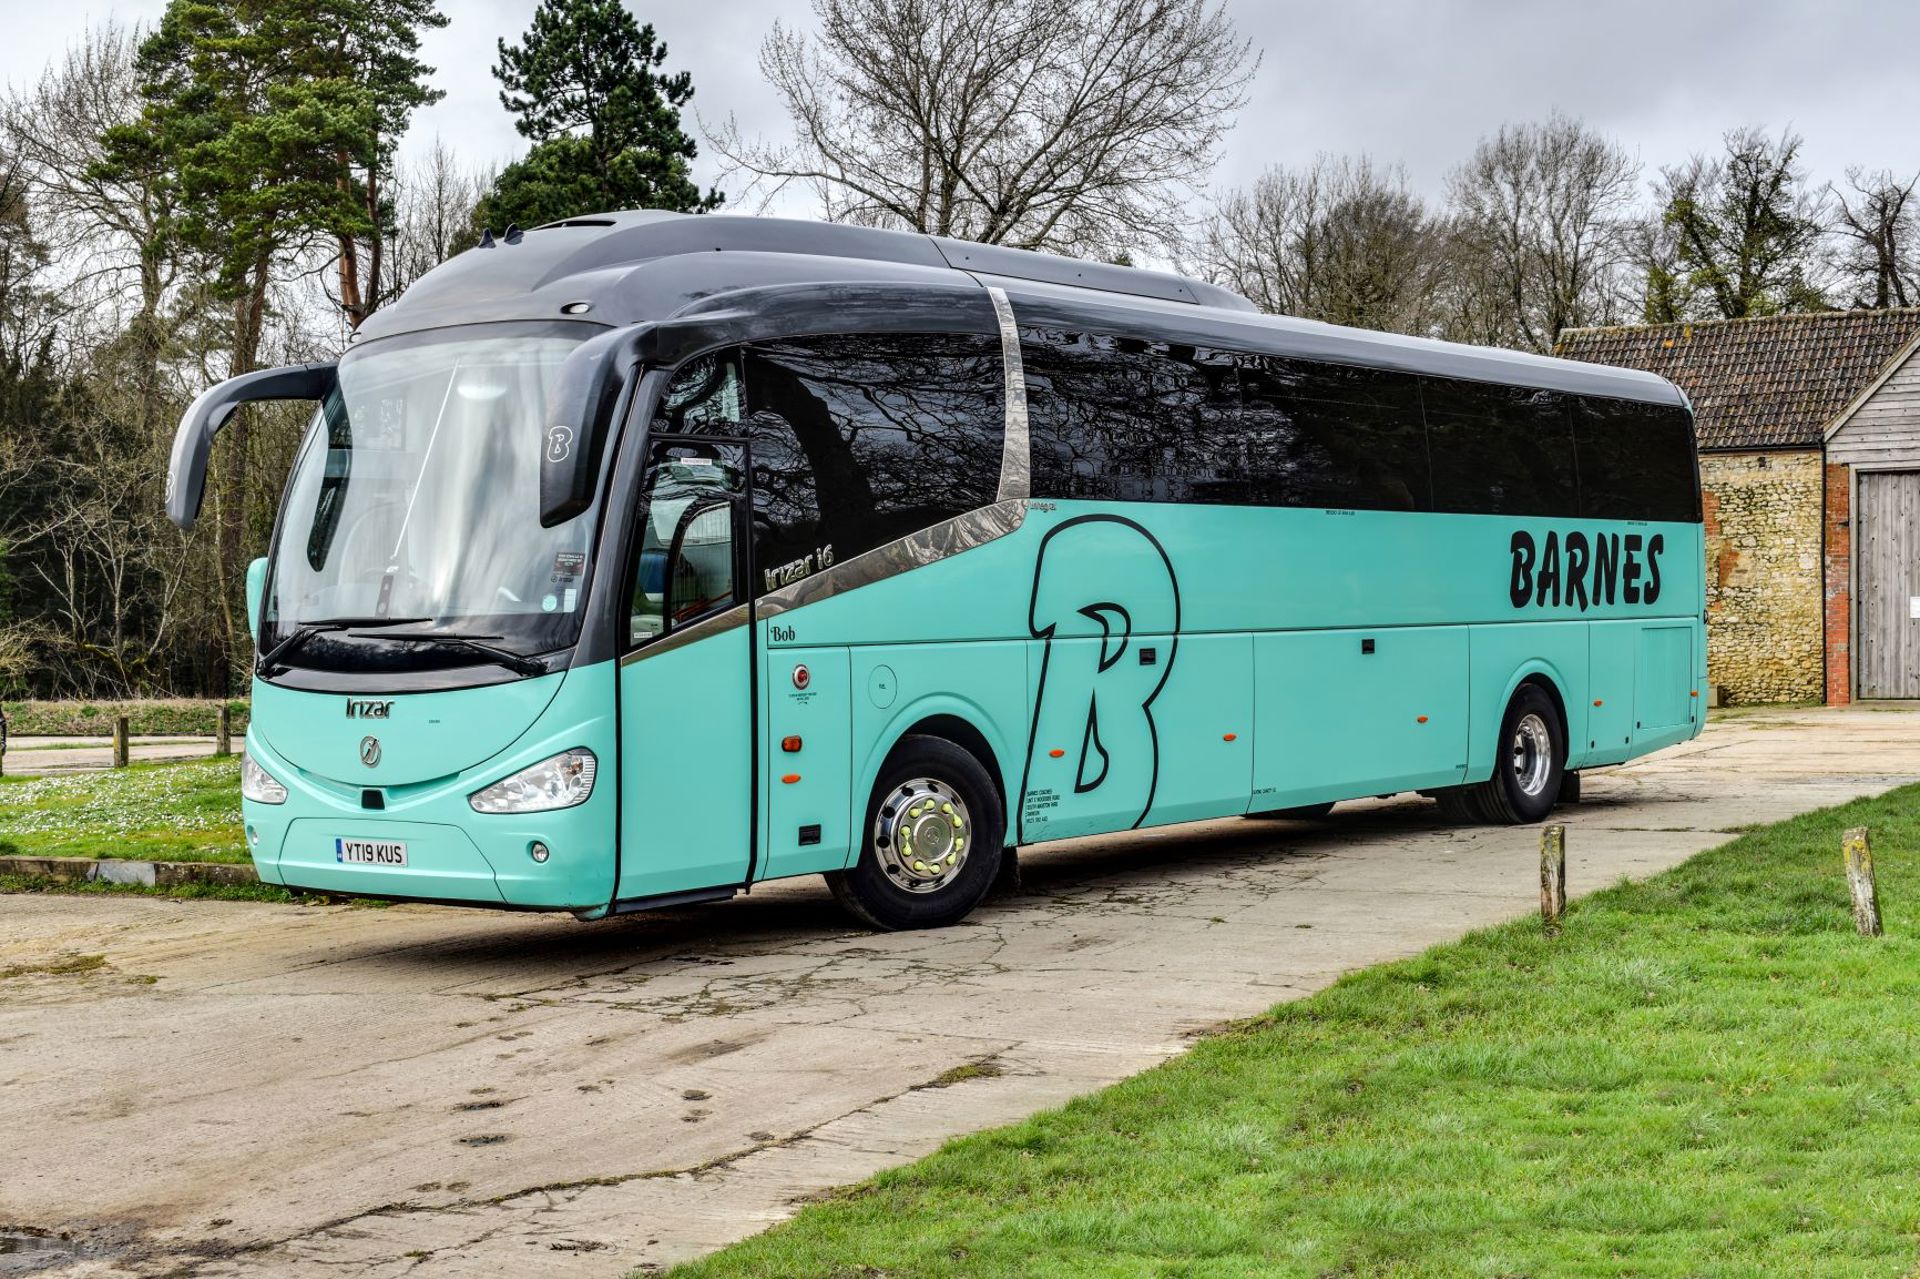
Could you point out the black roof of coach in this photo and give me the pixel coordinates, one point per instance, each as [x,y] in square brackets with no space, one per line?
[650,265]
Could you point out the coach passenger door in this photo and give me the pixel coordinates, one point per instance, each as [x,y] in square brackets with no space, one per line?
[686,713]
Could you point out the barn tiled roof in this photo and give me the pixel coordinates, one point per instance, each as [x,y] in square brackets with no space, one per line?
[1772,382]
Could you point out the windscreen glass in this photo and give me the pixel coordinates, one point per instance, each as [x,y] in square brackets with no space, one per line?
[414,508]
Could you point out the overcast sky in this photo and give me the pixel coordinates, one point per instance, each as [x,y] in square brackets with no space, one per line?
[1412,82]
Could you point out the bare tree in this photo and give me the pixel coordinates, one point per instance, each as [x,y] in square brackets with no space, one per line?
[1075,126]
[1542,218]
[1747,230]
[106,229]
[1878,252]
[1342,241]
[434,199]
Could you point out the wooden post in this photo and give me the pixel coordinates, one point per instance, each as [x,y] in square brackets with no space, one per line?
[223,735]
[120,741]
[1553,876]
[1858,854]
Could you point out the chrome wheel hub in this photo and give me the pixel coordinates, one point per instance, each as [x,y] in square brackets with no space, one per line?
[1532,750]
[921,835]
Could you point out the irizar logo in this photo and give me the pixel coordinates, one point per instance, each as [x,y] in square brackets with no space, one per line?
[368,710]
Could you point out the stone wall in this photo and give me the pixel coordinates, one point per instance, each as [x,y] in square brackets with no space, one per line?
[1765,605]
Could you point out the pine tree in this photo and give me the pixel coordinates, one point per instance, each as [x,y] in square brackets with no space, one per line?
[271,125]
[586,85]
[275,122]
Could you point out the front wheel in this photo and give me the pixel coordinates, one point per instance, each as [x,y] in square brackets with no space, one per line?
[933,840]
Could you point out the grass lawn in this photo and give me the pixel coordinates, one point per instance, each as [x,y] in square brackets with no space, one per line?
[1706,1074]
[180,812]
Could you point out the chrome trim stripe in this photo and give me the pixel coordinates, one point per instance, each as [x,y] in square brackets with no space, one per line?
[916,550]
[1016,450]
[718,624]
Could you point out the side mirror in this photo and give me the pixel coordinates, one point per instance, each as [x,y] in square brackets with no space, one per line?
[580,409]
[256,596]
[193,441]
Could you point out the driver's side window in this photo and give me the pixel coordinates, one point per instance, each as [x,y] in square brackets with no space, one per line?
[685,569]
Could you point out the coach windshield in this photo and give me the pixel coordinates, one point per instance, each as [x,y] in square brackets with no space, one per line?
[410,538]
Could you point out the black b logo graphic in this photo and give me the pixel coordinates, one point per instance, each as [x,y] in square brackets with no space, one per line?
[1103,585]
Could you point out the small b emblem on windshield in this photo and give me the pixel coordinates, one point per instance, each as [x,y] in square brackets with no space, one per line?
[369,751]
[559,443]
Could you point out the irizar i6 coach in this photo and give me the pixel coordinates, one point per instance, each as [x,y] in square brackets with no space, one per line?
[634,560]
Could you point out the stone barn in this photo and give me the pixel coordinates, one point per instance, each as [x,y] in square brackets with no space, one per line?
[1809,433]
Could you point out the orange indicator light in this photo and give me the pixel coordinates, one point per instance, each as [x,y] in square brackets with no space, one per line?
[1056,753]
[791,778]
[1597,702]
[1227,737]
[1421,719]
[790,744]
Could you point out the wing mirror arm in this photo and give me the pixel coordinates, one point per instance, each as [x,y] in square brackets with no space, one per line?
[580,414]
[206,416]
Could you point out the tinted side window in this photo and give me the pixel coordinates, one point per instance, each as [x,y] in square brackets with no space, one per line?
[704,396]
[1330,435]
[1127,420]
[859,439]
[1636,461]
[1500,450]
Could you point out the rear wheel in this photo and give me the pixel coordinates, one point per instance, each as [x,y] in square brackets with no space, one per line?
[1527,770]
[1527,773]
[933,840]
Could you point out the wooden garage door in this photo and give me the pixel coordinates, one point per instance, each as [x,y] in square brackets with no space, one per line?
[1887,634]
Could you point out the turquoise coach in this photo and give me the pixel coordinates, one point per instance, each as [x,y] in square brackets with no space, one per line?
[634,560]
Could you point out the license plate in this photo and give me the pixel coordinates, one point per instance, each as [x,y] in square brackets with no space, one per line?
[370,852]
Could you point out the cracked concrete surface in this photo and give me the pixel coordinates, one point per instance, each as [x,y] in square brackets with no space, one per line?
[246,1089]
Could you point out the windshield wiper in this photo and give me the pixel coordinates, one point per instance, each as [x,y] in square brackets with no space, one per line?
[516,662]
[307,630]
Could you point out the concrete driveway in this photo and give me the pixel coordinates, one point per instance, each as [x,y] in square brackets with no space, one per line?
[246,1089]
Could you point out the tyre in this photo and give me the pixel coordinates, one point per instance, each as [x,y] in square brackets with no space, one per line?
[1303,813]
[933,840]
[1528,772]
[1529,760]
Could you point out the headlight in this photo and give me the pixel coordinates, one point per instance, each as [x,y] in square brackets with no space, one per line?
[559,782]
[257,784]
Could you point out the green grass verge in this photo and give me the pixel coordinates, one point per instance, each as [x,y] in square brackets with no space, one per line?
[177,892]
[1705,1074]
[176,812]
[150,717]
